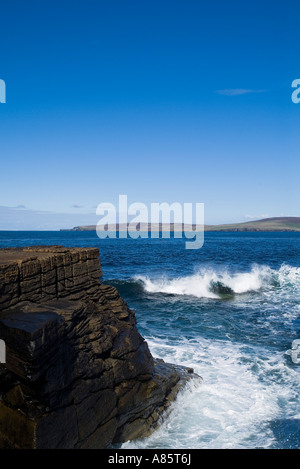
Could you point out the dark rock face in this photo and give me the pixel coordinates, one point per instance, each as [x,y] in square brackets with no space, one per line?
[78,374]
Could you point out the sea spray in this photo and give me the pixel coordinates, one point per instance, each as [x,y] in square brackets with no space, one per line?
[209,283]
[235,405]
[235,330]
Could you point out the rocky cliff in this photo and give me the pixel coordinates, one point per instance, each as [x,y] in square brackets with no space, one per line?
[77,373]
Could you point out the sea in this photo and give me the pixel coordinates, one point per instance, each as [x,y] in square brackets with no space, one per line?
[230,310]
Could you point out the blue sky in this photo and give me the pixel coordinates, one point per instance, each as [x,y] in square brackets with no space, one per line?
[165,101]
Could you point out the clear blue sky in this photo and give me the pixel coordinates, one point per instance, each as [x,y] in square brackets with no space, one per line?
[165,101]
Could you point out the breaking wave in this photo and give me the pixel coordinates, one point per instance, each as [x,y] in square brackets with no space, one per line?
[211,283]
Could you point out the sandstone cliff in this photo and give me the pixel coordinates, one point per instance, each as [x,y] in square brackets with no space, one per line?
[78,374]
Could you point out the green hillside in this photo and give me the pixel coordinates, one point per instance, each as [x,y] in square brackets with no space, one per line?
[266,224]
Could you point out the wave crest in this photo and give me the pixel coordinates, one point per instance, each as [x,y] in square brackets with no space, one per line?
[209,283]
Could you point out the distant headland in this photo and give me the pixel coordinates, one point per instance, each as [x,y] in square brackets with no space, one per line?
[265,224]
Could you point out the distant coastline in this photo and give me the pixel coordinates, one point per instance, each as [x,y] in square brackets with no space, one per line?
[265,224]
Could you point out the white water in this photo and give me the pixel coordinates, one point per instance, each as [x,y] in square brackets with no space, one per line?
[247,387]
[241,393]
[200,284]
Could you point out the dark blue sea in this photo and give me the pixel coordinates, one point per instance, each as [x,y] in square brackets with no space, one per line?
[230,310]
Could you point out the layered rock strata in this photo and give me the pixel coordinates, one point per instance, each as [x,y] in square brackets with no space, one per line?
[77,374]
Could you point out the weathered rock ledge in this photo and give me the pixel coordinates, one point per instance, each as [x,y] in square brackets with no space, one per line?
[78,374]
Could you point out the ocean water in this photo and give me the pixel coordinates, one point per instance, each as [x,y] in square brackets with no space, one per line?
[230,310]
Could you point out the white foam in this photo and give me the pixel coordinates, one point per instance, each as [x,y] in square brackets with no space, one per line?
[245,387]
[195,285]
[233,405]
[200,284]
[289,276]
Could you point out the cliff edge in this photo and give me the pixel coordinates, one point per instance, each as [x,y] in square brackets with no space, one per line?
[77,372]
